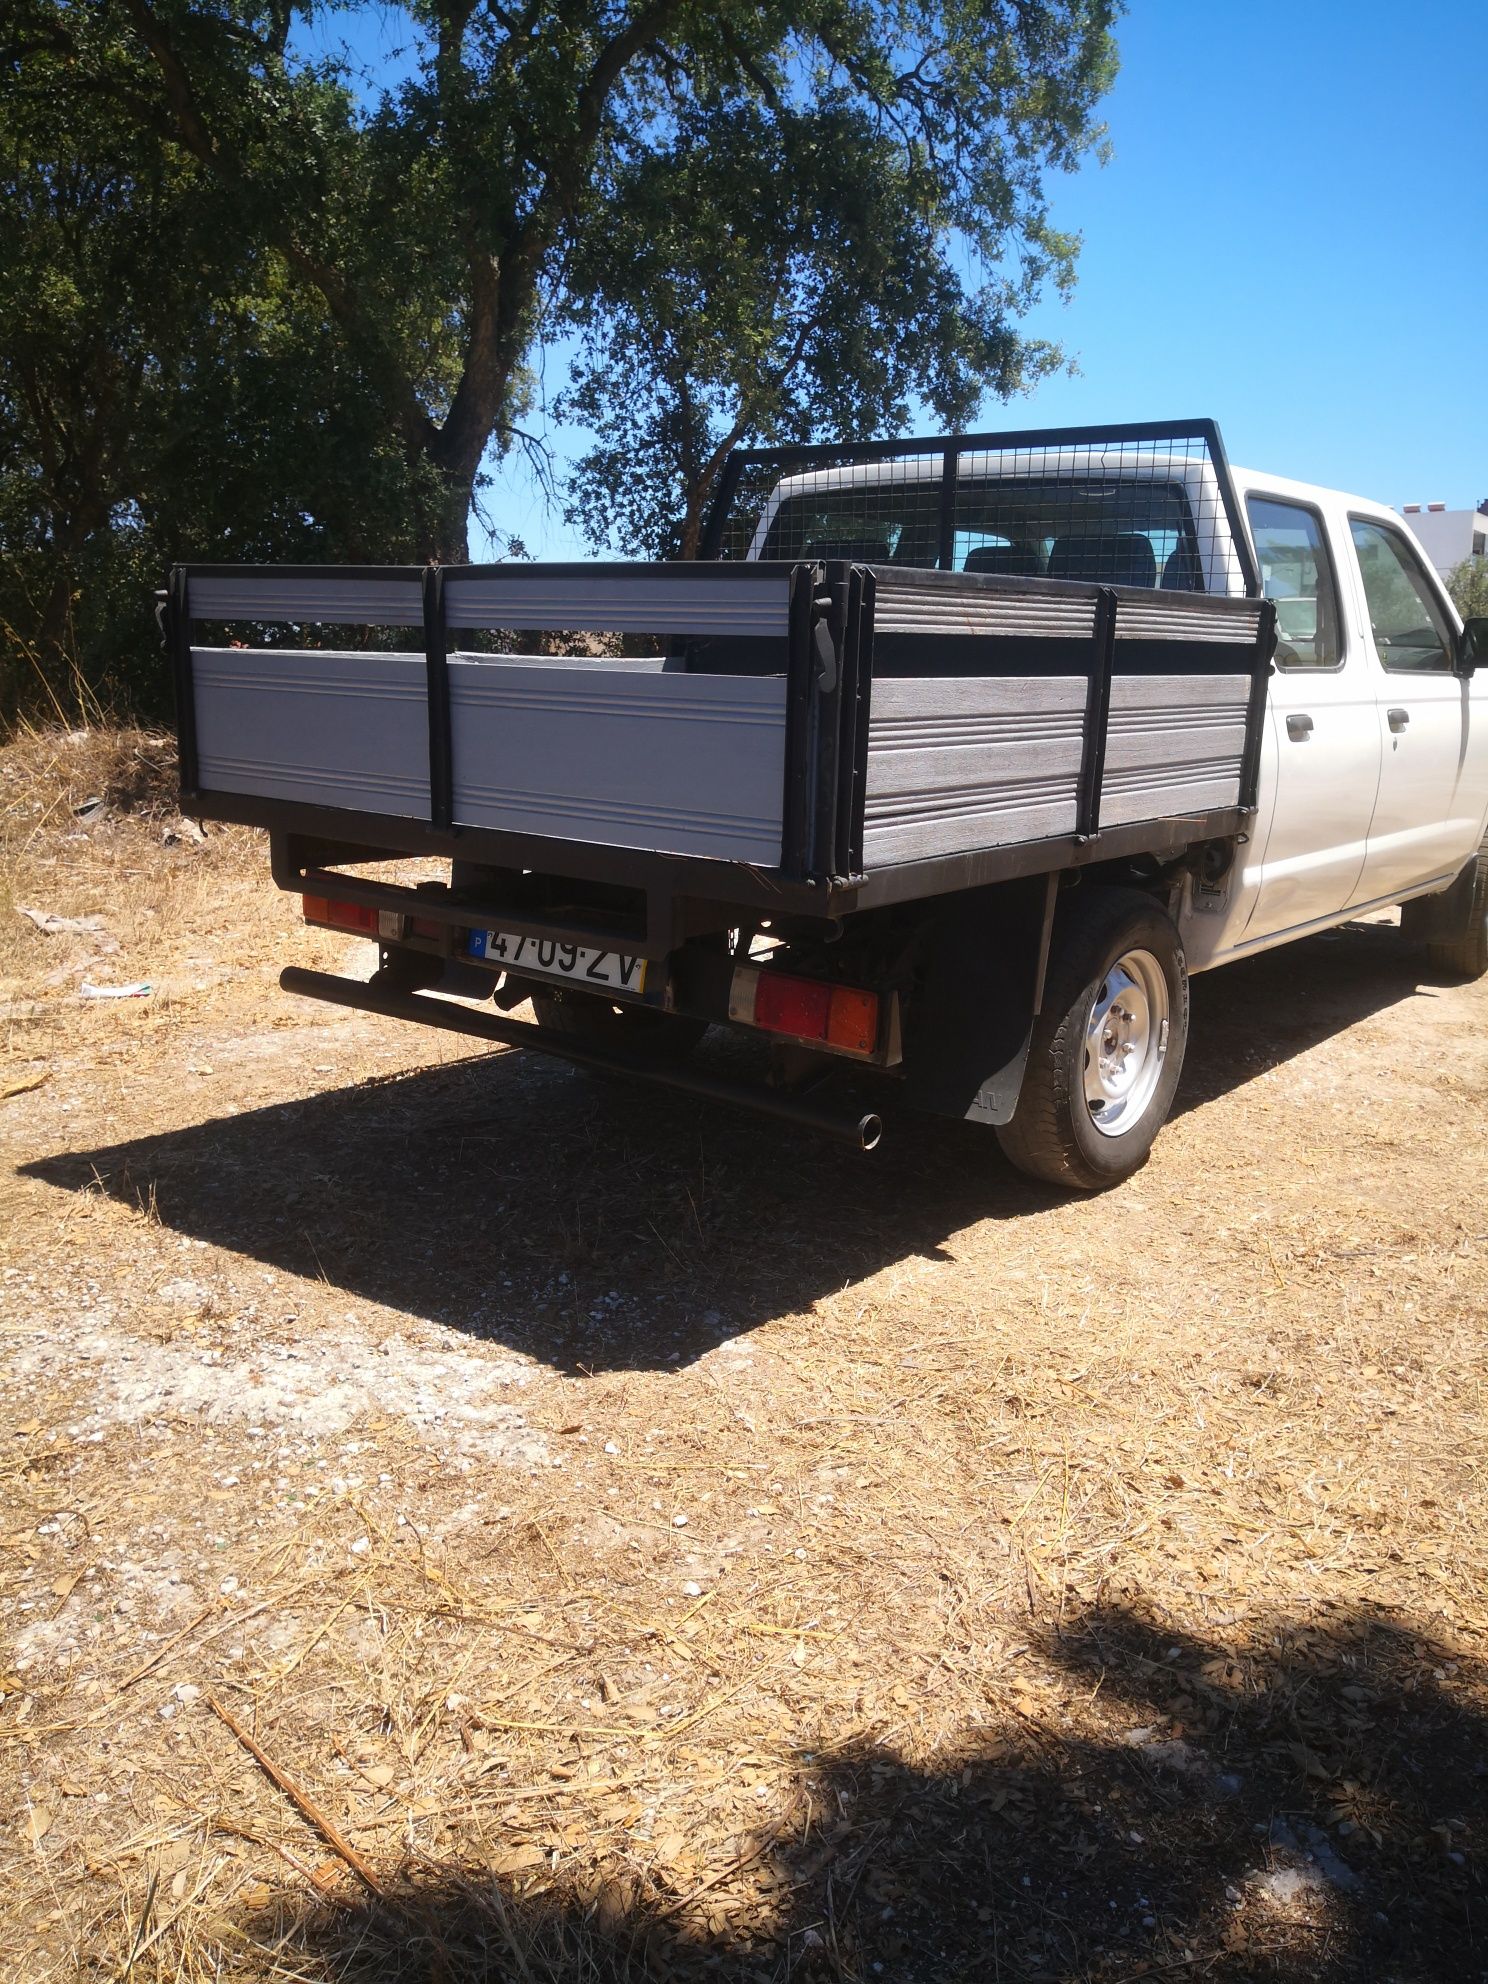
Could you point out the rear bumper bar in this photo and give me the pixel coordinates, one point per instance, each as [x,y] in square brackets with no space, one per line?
[862,1131]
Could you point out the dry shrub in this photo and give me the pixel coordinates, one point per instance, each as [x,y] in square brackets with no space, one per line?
[130,771]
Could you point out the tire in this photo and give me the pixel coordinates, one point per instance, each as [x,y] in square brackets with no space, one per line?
[1085,1122]
[642,1032]
[1464,952]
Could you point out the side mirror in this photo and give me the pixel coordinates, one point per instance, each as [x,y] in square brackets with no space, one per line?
[1472,645]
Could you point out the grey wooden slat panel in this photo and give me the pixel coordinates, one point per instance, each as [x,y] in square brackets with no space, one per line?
[1183,791]
[348,601]
[622,664]
[329,729]
[956,763]
[968,768]
[1175,617]
[1191,744]
[903,606]
[921,840]
[1174,743]
[1179,692]
[905,696]
[620,603]
[675,764]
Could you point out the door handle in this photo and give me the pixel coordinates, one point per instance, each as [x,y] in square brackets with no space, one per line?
[1397,719]
[1299,728]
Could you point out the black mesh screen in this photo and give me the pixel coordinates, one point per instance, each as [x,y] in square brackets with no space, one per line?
[1115,506]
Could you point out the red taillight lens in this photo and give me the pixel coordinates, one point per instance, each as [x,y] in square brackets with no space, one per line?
[842,1016]
[792,1005]
[340,915]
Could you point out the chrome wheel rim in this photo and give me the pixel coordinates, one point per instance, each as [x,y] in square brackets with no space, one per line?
[1126,1043]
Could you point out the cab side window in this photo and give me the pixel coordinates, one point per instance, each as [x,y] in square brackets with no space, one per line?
[1297,577]
[1410,630]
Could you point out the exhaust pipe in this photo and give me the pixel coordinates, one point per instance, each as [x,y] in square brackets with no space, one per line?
[863,1132]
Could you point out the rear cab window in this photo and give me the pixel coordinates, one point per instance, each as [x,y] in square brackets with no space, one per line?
[1100,529]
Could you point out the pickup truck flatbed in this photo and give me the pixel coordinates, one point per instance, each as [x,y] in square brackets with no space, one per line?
[944,765]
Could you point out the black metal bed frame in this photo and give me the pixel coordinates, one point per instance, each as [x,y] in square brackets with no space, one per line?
[829,672]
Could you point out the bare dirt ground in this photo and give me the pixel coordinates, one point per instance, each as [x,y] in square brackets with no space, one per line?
[466,1520]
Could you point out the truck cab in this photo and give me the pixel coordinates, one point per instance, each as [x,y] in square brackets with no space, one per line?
[1374,758]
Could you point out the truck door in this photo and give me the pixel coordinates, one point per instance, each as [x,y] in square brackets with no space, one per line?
[1324,725]
[1428,817]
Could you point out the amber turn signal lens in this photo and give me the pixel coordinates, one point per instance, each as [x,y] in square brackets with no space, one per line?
[852,1022]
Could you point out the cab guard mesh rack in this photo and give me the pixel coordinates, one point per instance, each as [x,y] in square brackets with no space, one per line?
[1148,504]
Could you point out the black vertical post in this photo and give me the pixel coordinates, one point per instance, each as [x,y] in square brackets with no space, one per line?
[829,618]
[178,647]
[950,468]
[441,743]
[1239,534]
[1255,714]
[852,750]
[799,664]
[1097,715]
[864,675]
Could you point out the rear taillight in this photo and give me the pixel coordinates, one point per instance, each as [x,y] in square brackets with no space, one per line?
[802,1006]
[341,915]
[844,1017]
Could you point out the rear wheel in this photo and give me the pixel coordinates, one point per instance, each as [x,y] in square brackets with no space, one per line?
[1457,943]
[639,1031]
[1107,1047]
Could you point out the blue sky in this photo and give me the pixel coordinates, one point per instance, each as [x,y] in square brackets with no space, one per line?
[1291,235]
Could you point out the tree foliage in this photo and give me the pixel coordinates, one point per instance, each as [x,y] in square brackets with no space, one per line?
[1468,585]
[816,252]
[241,315]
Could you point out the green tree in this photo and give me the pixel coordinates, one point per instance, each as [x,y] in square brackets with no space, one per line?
[792,265]
[1468,585]
[168,387]
[306,326]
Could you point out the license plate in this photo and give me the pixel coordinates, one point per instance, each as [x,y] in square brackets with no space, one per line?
[546,957]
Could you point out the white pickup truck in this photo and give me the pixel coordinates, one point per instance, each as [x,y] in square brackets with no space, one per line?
[949,764]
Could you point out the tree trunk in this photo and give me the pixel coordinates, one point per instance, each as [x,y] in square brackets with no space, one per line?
[701,487]
[442,525]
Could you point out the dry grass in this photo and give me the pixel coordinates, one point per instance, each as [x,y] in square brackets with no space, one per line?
[463,1520]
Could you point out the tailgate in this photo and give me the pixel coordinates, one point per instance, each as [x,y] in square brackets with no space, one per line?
[630,750]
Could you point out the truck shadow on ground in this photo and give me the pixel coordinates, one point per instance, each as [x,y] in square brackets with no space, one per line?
[596,1224]
[1309,1807]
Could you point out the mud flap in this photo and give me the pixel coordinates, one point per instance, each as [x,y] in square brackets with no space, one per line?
[980,982]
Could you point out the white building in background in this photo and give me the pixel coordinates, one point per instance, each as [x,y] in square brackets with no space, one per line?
[1449,536]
